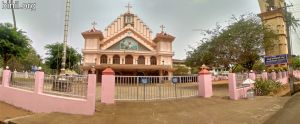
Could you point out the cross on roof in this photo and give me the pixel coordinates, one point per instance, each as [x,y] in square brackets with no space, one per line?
[94,24]
[128,7]
[162,28]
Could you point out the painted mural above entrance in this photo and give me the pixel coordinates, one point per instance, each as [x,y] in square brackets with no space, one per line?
[128,43]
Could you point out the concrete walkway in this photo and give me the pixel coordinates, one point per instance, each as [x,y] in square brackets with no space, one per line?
[289,114]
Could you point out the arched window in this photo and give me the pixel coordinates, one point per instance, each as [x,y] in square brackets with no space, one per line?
[141,60]
[116,59]
[103,59]
[153,60]
[129,59]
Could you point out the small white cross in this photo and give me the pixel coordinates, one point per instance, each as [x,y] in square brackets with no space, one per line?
[94,24]
[128,7]
[162,28]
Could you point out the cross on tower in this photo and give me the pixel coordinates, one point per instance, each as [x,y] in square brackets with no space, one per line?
[128,7]
[94,24]
[162,28]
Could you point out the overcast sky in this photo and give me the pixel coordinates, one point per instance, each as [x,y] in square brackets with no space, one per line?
[180,17]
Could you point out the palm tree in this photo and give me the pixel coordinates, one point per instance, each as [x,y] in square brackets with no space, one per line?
[292,21]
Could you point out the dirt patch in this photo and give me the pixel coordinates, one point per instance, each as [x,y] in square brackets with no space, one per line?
[183,111]
[8,111]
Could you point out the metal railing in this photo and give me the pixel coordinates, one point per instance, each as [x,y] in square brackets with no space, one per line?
[22,80]
[155,87]
[259,76]
[240,78]
[72,86]
[270,77]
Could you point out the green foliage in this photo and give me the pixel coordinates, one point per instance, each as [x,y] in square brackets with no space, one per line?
[266,87]
[13,43]
[296,62]
[238,44]
[26,62]
[276,69]
[292,21]
[238,68]
[259,66]
[181,70]
[54,59]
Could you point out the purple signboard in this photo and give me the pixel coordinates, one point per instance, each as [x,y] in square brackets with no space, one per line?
[279,59]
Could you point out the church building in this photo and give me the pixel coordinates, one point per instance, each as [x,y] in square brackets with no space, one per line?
[127,46]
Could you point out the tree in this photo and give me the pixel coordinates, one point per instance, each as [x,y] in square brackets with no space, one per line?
[26,62]
[13,43]
[240,43]
[54,59]
[181,70]
[292,21]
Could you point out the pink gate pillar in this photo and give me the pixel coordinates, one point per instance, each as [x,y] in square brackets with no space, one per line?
[6,78]
[265,75]
[232,86]
[108,86]
[205,83]
[39,82]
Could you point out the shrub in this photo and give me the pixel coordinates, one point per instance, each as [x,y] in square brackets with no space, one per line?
[266,87]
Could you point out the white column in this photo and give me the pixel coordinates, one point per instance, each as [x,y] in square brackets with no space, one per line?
[147,60]
[106,32]
[141,27]
[116,26]
[113,29]
[119,24]
[122,59]
[122,22]
[138,25]
[109,31]
[147,33]
[135,58]
[145,29]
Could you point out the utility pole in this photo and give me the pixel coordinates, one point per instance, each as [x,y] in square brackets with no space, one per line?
[13,13]
[289,44]
[66,30]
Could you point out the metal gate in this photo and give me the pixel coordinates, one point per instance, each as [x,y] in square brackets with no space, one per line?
[155,87]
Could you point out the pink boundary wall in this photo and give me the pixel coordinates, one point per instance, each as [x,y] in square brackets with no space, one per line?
[237,93]
[39,102]
[234,92]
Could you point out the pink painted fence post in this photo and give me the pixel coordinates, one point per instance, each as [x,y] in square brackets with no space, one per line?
[273,75]
[204,83]
[91,92]
[39,82]
[108,86]
[265,75]
[280,75]
[6,78]
[232,86]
